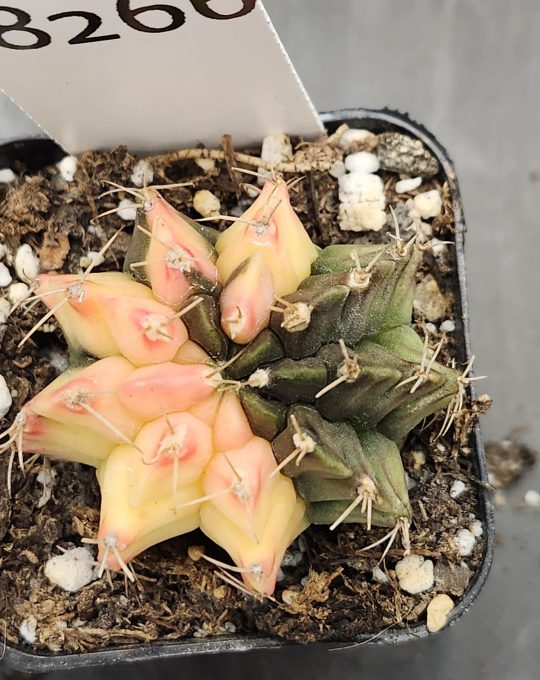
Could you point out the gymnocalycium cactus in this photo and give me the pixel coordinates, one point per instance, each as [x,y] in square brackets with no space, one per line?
[243,382]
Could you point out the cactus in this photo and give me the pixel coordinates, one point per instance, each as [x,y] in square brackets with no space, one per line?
[245,383]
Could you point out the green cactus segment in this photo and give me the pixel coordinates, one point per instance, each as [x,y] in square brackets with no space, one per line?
[381,463]
[291,381]
[264,349]
[325,309]
[349,302]
[379,371]
[329,440]
[332,462]
[437,389]
[137,249]
[404,418]
[326,512]
[204,328]
[386,470]
[338,258]
[266,417]
[209,233]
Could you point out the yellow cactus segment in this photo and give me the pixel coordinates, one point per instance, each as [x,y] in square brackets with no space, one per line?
[207,410]
[126,529]
[56,440]
[110,313]
[191,353]
[231,427]
[87,399]
[260,559]
[173,452]
[272,228]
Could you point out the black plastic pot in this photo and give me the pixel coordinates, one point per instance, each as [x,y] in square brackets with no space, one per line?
[40,152]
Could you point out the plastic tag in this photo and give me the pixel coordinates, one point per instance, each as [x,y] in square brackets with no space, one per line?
[154,76]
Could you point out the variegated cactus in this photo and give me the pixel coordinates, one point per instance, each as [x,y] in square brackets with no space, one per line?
[242,382]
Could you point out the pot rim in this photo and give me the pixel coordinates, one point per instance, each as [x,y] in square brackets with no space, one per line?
[28,662]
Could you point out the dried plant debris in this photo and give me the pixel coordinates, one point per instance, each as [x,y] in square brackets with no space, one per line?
[509,459]
[333,585]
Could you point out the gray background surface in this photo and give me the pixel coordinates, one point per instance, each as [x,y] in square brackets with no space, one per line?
[470,71]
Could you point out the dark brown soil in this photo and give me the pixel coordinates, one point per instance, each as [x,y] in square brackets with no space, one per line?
[330,590]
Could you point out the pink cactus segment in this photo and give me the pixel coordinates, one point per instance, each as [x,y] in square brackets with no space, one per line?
[87,398]
[242,476]
[152,391]
[191,353]
[176,250]
[270,226]
[231,427]
[176,448]
[207,410]
[145,331]
[55,440]
[260,559]
[81,305]
[246,300]
[77,312]
[126,530]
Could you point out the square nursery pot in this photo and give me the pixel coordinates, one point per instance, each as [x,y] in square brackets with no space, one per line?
[38,153]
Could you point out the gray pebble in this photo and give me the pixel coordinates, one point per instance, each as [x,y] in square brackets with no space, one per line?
[405,155]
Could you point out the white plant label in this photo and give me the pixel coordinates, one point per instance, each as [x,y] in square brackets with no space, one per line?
[154,76]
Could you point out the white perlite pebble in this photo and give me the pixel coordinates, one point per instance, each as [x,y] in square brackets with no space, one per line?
[5,308]
[26,263]
[406,185]
[437,612]
[206,203]
[532,498]
[353,138]
[447,326]
[476,528]
[46,478]
[206,164]
[411,483]
[127,210]
[92,257]
[429,300]
[18,292]
[5,397]
[72,570]
[464,541]
[428,204]
[357,187]
[67,167]
[5,276]
[438,247]
[7,176]
[28,630]
[457,488]
[415,574]
[338,169]
[362,162]
[59,361]
[378,575]
[361,217]
[142,174]
[292,558]
[276,149]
